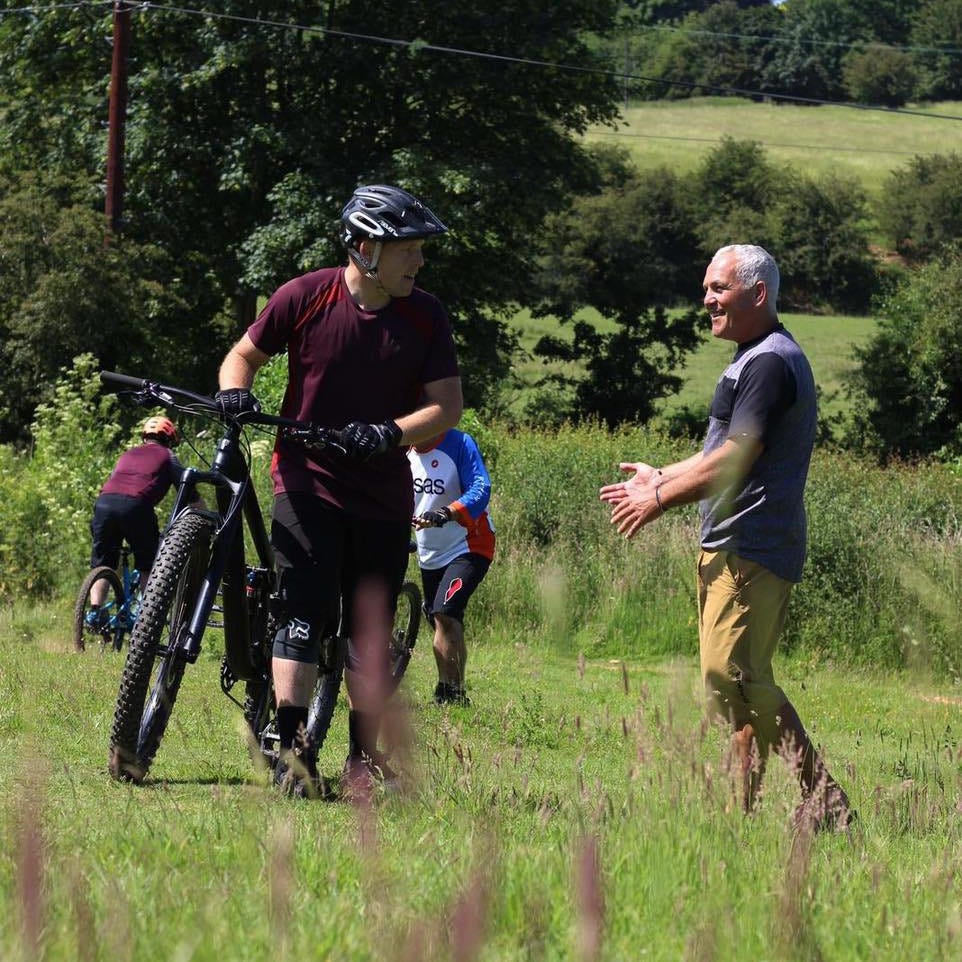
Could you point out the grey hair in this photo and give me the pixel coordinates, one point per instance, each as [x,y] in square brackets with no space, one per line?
[753,264]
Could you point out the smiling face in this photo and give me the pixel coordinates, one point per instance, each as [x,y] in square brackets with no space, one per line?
[738,313]
[398,266]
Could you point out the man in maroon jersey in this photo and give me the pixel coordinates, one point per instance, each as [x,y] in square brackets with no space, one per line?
[370,354]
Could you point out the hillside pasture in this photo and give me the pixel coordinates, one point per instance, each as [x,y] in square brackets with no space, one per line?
[818,140]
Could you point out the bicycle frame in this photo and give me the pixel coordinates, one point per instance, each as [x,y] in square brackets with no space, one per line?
[236,500]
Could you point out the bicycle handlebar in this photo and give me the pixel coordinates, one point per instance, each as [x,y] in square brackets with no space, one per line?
[313,435]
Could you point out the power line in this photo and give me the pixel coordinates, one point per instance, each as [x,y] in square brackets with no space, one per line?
[420,45]
[783,38]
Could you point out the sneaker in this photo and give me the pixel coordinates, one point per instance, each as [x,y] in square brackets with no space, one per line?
[296,776]
[363,774]
[448,694]
[94,618]
[822,812]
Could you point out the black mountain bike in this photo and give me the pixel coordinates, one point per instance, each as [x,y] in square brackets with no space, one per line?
[201,552]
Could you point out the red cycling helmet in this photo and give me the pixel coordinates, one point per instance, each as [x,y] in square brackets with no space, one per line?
[163,429]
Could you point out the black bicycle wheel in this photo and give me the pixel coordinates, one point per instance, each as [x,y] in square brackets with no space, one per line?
[146,697]
[99,627]
[330,672]
[407,620]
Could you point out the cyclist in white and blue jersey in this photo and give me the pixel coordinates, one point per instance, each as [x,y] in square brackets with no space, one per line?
[455,540]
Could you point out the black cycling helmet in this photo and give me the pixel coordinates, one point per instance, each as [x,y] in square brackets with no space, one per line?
[383,213]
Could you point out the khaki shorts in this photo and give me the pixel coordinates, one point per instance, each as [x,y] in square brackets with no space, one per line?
[741,611]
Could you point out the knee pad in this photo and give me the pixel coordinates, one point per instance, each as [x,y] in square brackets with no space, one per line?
[305,613]
[297,640]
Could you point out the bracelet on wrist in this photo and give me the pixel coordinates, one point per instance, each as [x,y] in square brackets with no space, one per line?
[658,499]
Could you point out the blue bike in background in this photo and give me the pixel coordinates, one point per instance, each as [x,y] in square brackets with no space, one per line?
[107,625]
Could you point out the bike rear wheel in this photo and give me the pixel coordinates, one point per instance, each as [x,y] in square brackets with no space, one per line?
[407,621]
[154,668]
[106,626]
[330,673]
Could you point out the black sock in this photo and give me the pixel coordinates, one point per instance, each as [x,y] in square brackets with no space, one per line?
[361,733]
[290,719]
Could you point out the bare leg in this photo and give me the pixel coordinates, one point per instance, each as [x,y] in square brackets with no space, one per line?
[750,759]
[294,682]
[450,652]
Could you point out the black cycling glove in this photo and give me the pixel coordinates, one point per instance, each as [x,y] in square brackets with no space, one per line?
[435,519]
[236,400]
[363,441]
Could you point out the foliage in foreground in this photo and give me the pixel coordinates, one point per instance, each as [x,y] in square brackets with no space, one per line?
[580,810]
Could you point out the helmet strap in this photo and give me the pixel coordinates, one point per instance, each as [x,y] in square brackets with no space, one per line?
[369,267]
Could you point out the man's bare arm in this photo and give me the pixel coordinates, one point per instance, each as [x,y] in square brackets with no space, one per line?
[240,365]
[440,410]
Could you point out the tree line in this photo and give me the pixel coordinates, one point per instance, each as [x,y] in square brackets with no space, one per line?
[249,126]
[879,52]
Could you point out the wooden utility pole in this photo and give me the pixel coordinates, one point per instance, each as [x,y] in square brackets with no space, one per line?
[117,118]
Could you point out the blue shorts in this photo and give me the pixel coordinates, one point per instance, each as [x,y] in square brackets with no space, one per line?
[447,590]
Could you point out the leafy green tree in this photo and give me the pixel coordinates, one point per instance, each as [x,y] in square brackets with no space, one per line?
[628,251]
[822,242]
[808,61]
[937,30]
[268,114]
[907,389]
[816,229]
[68,292]
[733,192]
[920,208]
[879,75]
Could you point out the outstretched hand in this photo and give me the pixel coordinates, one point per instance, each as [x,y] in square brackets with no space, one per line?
[642,475]
[633,501]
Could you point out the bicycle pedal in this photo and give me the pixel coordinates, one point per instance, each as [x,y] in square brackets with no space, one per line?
[227,678]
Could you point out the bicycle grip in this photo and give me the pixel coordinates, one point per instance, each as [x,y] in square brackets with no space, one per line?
[123,381]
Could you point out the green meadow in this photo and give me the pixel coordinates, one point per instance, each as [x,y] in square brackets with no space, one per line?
[828,341]
[866,145]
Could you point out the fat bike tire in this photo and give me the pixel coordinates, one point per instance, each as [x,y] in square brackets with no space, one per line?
[153,671]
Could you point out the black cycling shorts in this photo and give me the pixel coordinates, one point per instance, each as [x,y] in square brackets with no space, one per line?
[323,555]
[447,590]
[119,516]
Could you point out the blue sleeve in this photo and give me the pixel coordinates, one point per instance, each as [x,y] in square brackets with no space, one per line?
[473,475]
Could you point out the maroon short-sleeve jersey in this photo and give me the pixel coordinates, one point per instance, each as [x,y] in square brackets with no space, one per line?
[346,364]
[145,472]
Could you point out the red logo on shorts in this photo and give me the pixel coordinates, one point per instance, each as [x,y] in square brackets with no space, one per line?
[453,589]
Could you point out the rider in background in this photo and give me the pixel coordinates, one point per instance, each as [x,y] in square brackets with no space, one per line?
[451,484]
[364,344]
[124,509]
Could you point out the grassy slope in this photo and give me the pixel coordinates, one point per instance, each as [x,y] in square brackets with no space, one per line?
[864,144]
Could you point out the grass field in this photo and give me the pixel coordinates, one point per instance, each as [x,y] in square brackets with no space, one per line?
[828,341]
[865,144]
[579,810]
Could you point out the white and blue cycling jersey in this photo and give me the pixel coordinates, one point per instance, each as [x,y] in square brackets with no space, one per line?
[449,472]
